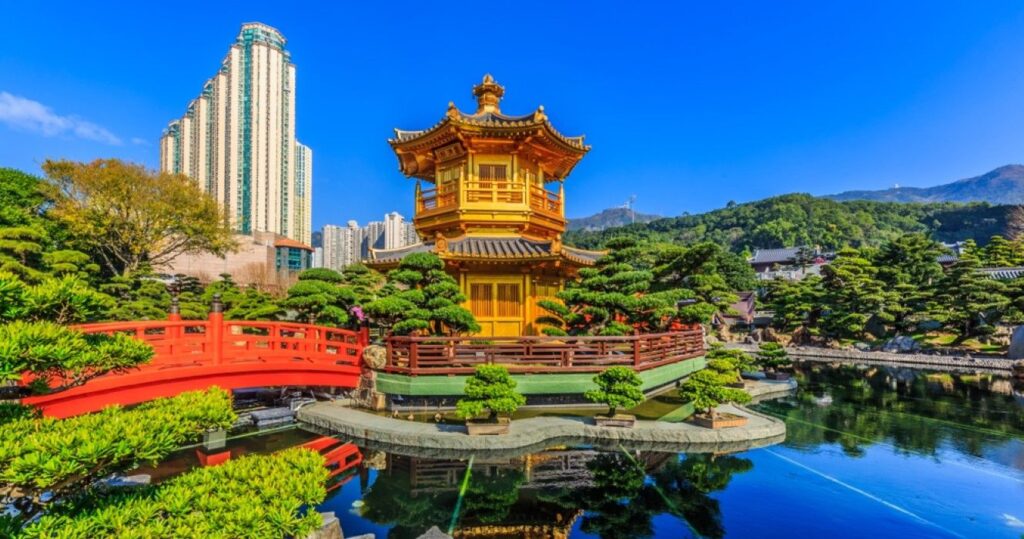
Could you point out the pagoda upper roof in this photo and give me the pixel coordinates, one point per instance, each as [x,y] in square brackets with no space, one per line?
[490,121]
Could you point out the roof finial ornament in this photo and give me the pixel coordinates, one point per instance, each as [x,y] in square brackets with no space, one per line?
[488,93]
[539,115]
[453,112]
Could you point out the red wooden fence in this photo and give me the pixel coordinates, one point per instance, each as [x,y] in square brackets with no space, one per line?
[459,355]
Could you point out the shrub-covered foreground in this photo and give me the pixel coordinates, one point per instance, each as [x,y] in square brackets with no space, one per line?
[258,496]
[47,460]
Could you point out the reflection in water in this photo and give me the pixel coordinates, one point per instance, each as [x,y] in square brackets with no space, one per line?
[914,411]
[840,416]
[544,494]
[870,451]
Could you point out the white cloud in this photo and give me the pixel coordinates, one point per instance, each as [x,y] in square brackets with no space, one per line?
[139,141]
[23,113]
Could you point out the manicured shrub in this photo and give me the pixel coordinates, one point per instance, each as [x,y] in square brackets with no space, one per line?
[490,389]
[772,355]
[706,390]
[618,387]
[63,355]
[60,458]
[257,496]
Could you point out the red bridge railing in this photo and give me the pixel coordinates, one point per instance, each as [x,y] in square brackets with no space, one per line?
[196,354]
[460,355]
[186,343]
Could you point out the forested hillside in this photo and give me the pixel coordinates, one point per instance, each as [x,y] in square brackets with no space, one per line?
[800,219]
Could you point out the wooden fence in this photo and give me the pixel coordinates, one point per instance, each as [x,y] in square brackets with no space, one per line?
[460,355]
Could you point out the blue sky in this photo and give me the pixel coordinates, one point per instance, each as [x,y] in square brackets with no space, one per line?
[687,105]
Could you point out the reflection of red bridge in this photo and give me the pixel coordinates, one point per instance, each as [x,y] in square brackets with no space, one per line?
[196,354]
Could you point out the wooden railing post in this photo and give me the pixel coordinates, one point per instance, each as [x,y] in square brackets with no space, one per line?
[215,330]
[389,361]
[414,356]
[636,349]
[173,331]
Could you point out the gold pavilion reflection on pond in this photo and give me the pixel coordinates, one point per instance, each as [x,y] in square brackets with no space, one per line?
[489,209]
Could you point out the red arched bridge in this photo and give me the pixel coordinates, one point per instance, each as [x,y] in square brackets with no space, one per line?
[196,354]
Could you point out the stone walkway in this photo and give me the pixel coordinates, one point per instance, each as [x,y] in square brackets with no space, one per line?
[540,431]
[920,361]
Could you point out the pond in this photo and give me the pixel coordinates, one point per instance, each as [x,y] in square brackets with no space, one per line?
[870,451]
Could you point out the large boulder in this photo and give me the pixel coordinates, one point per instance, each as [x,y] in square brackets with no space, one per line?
[375,356]
[1016,343]
[901,345]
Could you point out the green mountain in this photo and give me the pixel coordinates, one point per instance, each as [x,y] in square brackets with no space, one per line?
[610,218]
[801,219]
[1004,185]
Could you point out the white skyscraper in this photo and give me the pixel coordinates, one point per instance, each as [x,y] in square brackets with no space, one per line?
[342,245]
[237,139]
[394,230]
[373,237]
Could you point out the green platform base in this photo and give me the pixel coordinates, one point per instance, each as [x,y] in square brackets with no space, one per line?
[529,384]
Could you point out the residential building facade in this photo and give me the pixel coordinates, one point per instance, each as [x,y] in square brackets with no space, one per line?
[343,246]
[237,139]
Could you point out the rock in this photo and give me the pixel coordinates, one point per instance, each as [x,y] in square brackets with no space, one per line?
[122,481]
[435,533]
[862,346]
[329,529]
[901,345]
[929,325]
[1016,344]
[375,356]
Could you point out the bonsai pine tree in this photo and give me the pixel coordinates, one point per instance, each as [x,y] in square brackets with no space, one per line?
[729,362]
[706,390]
[420,297]
[771,356]
[64,356]
[969,302]
[490,388]
[855,296]
[612,297]
[320,297]
[617,387]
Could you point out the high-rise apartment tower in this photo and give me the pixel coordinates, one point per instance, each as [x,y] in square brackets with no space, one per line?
[237,139]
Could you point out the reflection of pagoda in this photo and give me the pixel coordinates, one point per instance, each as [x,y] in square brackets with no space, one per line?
[530,517]
[487,210]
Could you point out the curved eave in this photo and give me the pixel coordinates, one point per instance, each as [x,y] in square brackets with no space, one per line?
[415,139]
[582,256]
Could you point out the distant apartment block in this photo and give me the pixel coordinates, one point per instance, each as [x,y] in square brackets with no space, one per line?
[237,139]
[346,245]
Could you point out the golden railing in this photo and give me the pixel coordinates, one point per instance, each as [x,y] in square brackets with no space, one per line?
[491,192]
[435,198]
[503,191]
[545,201]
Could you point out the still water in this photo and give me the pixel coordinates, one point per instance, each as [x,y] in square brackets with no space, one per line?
[870,452]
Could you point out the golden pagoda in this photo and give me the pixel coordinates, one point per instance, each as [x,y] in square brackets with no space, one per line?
[484,204]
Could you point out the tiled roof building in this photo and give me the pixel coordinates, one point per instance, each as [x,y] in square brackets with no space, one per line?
[484,206]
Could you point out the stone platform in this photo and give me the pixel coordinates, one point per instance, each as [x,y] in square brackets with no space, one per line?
[533,434]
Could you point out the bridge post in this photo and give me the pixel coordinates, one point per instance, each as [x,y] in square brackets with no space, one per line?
[173,332]
[215,330]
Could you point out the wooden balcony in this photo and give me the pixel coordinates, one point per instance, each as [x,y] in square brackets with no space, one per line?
[434,199]
[491,192]
[535,355]
[545,201]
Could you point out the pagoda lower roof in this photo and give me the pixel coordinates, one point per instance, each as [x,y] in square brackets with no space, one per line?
[490,248]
